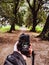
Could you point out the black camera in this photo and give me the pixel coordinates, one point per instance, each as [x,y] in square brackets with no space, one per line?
[24,43]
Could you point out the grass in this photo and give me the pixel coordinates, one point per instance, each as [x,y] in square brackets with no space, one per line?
[17,27]
[38,28]
[7,28]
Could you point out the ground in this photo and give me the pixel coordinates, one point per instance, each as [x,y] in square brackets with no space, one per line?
[40,47]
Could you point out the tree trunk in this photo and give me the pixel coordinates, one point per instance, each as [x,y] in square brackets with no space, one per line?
[45,33]
[34,11]
[12,27]
[34,22]
[15,9]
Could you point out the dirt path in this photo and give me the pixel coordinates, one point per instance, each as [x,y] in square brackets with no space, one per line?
[41,48]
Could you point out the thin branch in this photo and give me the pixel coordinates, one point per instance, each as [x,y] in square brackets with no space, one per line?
[29,4]
[39,5]
[16,7]
[34,4]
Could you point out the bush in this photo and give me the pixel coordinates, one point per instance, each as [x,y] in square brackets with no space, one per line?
[38,28]
[7,28]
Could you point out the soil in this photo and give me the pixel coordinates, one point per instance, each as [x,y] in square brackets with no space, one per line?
[40,47]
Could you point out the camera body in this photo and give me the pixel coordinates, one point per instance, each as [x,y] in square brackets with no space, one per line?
[24,44]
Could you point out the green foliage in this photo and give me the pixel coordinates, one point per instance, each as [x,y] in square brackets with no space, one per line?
[7,28]
[6,0]
[22,2]
[28,19]
[24,15]
[7,10]
[17,27]
[38,28]
[22,11]
[20,18]
[41,16]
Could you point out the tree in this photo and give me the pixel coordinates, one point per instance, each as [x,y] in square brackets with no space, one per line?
[5,11]
[20,13]
[8,10]
[15,9]
[28,19]
[35,9]
[45,33]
